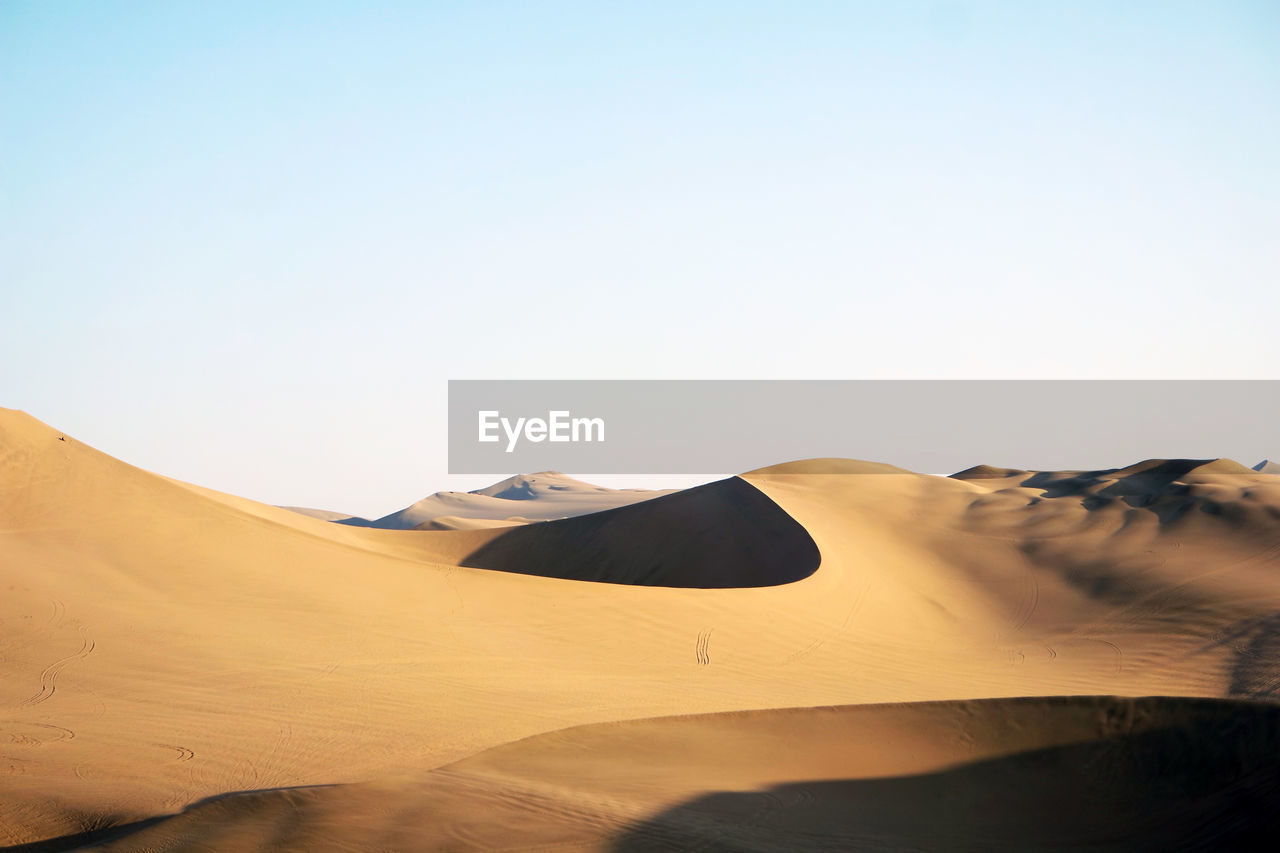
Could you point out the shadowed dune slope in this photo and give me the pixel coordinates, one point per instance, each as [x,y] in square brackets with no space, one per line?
[1168,775]
[723,534]
[1096,773]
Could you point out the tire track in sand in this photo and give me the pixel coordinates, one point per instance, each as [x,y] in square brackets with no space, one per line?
[34,734]
[184,754]
[59,610]
[49,675]
[702,649]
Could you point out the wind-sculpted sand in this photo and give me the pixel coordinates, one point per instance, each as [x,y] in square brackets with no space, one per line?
[820,655]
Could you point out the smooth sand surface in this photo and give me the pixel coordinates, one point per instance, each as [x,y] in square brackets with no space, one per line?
[163,644]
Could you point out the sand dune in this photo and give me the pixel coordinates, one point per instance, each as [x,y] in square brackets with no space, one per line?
[325,514]
[453,522]
[162,644]
[1266,466]
[524,497]
[725,534]
[1025,774]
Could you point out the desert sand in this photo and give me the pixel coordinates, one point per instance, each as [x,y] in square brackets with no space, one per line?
[820,655]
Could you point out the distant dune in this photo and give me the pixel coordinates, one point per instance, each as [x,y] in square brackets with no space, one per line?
[1266,466]
[815,655]
[522,498]
[453,522]
[326,514]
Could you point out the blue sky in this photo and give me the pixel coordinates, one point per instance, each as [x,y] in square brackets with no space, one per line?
[246,244]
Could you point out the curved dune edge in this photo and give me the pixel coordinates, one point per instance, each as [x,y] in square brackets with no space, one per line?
[1025,773]
[726,534]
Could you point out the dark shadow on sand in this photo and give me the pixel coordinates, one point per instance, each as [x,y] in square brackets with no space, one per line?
[1210,785]
[723,534]
[92,839]
[80,840]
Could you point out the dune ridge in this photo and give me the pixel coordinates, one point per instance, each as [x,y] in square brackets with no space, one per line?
[721,535]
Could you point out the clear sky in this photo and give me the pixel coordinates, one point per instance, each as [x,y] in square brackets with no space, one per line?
[245,244]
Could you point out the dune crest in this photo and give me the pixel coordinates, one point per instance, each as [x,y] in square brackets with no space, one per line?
[724,534]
